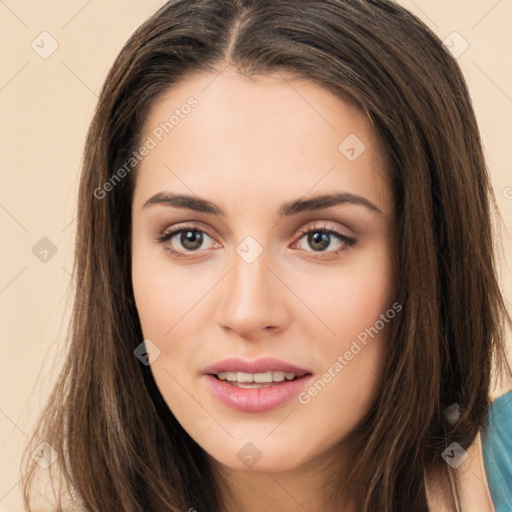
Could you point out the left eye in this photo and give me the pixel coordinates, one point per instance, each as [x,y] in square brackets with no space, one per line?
[320,239]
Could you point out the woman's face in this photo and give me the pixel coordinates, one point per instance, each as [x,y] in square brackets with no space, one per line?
[262,251]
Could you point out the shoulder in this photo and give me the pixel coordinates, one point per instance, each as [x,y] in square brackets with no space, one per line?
[497,452]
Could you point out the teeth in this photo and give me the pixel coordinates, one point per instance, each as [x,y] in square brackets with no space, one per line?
[244,377]
[264,377]
[277,376]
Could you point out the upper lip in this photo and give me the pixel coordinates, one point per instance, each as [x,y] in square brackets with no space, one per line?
[264,364]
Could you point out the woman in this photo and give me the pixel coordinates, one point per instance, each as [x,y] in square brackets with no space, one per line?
[287,295]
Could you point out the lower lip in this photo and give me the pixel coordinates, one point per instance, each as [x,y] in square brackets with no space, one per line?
[256,399]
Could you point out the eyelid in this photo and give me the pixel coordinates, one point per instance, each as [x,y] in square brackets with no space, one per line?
[183,226]
[322,226]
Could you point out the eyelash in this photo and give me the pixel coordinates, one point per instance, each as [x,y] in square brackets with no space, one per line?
[347,241]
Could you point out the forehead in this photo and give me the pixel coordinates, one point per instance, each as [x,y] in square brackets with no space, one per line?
[267,135]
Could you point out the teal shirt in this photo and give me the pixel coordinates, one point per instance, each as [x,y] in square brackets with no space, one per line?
[497,452]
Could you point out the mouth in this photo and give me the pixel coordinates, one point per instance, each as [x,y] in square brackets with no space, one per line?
[255,386]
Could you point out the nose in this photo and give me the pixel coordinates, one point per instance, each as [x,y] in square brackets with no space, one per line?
[253,302]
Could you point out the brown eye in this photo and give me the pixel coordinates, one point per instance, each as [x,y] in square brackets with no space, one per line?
[191,239]
[320,239]
[184,241]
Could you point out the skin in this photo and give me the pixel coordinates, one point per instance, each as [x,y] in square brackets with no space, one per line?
[249,146]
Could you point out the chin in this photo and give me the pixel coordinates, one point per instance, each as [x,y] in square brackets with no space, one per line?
[259,456]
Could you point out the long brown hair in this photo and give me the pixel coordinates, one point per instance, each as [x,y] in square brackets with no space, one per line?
[120,448]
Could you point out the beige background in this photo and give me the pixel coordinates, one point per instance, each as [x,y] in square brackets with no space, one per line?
[46,105]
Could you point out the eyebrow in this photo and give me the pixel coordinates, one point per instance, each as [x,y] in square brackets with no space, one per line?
[319,202]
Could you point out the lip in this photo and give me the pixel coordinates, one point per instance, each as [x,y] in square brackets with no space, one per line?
[264,364]
[256,399]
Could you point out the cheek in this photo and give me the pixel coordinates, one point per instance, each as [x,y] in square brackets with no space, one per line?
[355,302]
[348,384]
[165,293]
[350,298]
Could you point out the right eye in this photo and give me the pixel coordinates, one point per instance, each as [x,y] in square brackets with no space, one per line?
[190,238]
